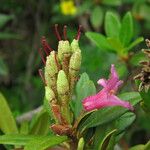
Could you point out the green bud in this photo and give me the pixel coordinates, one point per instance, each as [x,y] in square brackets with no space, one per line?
[64,95]
[75,46]
[51,70]
[63,49]
[81,144]
[74,67]
[75,61]
[49,94]
[62,83]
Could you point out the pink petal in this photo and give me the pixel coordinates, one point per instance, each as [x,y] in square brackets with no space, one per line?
[102,82]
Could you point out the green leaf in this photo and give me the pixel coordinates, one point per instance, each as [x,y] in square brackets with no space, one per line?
[4,19]
[126,31]
[125,121]
[3,68]
[134,43]
[7,122]
[41,124]
[115,44]
[111,2]
[8,36]
[16,139]
[137,147]
[112,25]
[99,40]
[97,17]
[103,134]
[45,142]
[110,113]
[85,87]
[24,128]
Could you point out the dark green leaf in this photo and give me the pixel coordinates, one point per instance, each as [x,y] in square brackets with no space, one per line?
[97,17]
[42,143]
[16,139]
[7,122]
[126,31]
[99,40]
[6,36]
[111,2]
[4,19]
[125,121]
[112,25]
[85,87]
[40,128]
[3,68]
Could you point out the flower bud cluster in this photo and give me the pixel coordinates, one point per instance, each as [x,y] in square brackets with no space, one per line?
[61,72]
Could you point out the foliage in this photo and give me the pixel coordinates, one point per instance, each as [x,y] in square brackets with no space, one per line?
[114,34]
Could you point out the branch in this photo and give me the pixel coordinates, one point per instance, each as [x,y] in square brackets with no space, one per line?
[28,115]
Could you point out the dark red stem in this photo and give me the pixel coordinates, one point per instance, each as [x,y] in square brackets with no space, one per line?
[42,57]
[46,46]
[79,32]
[57,32]
[42,76]
[65,32]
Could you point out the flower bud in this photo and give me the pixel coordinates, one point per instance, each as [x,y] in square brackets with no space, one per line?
[63,49]
[75,46]
[62,83]
[49,94]
[51,70]
[63,95]
[74,67]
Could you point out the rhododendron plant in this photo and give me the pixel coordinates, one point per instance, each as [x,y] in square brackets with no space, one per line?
[106,97]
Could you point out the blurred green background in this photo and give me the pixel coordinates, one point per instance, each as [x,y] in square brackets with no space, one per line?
[23,23]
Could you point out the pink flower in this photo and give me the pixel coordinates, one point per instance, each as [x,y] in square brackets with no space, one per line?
[106,97]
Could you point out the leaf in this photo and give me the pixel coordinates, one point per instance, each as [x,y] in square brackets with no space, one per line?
[126,31]
[110,113]
[137,147]
[7,122]
[4,19]
[85,87]
[125,121]
[8,36]
[41,124]
[97,17]
[99,40]
[111,2]
[3,68]
[112,25]
[103,133]
[32,142]
[16,139]
[115,44]
[24,128]
[42,143]
[134,43]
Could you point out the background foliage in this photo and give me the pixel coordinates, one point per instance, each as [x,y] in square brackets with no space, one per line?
[22,23]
